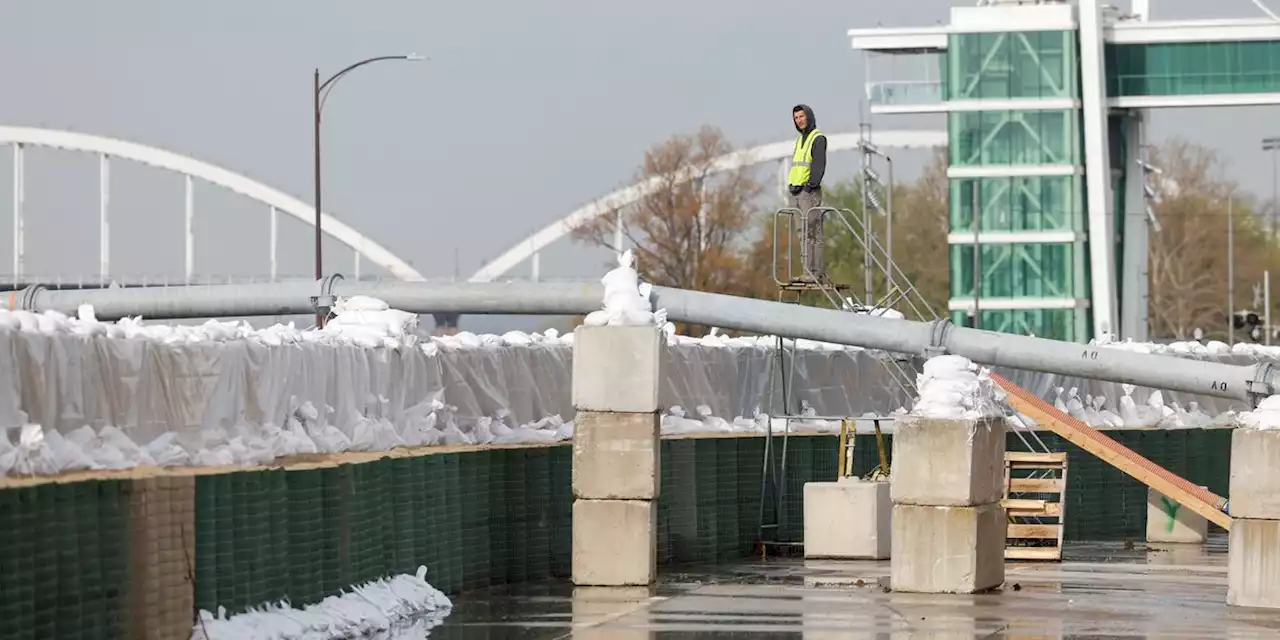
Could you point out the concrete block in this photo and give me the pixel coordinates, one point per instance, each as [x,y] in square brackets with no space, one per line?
[615,455]
[1168,521]
[1254,491]
[953,463]
[617,368]
[947,549]
[614,542]
[848,520]
[1253,563]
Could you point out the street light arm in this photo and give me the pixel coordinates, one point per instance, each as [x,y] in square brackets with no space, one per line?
[333,79]
[324,88]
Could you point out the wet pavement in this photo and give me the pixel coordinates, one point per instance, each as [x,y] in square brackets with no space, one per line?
[1099,591]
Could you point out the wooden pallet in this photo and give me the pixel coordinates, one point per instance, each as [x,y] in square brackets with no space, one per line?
[1038,519]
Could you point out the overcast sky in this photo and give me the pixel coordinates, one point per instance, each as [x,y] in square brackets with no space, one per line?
[525,111]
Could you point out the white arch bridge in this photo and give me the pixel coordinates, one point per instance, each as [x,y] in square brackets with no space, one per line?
[19,138]
[108,148]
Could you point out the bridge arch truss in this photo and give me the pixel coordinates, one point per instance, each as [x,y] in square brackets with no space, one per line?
[191,169]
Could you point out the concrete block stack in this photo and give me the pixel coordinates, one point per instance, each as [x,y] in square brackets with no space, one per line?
[946,486]
[1253,566]
[617,372]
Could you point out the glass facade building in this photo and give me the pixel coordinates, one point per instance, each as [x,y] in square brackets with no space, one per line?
[1031,164]
[1018,82]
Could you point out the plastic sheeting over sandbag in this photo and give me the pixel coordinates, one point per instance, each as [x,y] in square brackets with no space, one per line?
[78,394]
[146,389]
[144,395]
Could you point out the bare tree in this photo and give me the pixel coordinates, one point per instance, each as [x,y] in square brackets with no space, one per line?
[920,226]
[1188,256]
[690,230]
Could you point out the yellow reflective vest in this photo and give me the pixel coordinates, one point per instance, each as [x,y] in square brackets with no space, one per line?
[802,158]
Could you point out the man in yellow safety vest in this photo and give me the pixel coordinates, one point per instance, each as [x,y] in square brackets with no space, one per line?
[808,163]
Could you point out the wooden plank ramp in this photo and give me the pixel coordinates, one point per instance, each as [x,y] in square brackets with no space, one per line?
[1191,496]
[1035,502]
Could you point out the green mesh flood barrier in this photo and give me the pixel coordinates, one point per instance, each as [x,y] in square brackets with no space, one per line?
[64,560]
[475,519]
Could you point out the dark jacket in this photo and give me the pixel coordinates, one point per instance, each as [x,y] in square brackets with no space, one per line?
[819,165]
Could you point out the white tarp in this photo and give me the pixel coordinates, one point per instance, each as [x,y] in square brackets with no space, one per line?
[203,395]
[147,388]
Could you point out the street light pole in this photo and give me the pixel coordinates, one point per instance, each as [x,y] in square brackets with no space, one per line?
[319,235]
[1231,272]
[319,96]
[1272,145]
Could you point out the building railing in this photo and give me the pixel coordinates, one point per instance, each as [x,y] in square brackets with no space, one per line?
[1194,84]
[904,92]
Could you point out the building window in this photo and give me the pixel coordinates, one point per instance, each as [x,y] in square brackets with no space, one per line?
[1019,65]
[1055,324]
[1035,203]
[1015,137]
[1016,270]
[1193,68]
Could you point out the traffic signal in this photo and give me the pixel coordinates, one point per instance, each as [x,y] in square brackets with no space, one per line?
[1246,320]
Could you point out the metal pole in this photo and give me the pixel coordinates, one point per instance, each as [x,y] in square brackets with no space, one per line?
[866,226]
[356,266]
[190,216]
[1231,272]
[1273,145]
[18,196]
[888,231]
[104,232]
[977,252]
[990,348]
[318,237]
[1266,303]
[275,231]
[537,266]
[703,207]
[318,104]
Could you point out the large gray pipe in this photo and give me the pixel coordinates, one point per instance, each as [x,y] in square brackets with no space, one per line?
[300,298]
[1247,383]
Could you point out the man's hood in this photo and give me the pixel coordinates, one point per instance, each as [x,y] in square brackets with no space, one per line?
[813,121]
